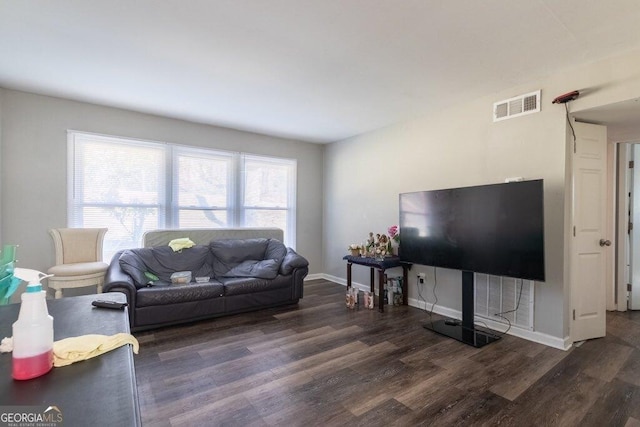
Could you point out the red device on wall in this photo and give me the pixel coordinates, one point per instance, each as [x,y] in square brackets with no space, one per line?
[569,96]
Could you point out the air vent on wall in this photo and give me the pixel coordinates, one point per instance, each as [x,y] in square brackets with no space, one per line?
[495,294]
[516,106]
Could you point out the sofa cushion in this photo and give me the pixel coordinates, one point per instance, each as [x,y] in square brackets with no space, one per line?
[162,261]
[233,251]
[265,269]
[260,258]
[164,293]
[248,285]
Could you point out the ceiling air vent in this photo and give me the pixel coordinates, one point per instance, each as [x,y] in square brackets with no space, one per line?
[516,106]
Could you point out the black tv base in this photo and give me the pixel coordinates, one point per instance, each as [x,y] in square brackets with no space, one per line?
[472,336]
[465,331]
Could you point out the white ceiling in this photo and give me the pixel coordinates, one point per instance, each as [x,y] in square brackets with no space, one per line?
[314,70]
[621,118]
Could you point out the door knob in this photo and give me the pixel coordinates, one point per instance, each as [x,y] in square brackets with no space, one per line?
[605,242]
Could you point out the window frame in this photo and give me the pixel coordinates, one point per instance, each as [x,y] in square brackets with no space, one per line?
[292,184]
[167,206]
[181,150]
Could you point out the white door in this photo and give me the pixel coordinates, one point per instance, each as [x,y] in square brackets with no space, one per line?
[589,242]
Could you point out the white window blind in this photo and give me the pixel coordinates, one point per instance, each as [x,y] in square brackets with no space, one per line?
[132,186]
[269,188]
[203,188]
[117,185]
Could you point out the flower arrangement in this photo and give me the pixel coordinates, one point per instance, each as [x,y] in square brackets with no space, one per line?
[394,233]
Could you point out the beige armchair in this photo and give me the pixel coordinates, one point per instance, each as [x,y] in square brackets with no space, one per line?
[78,258]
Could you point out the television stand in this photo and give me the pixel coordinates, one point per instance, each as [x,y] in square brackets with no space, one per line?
[465,331]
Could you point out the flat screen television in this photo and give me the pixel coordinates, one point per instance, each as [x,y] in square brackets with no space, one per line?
[495,229]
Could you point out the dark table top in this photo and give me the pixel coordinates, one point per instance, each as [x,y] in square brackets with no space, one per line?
[99,391]
[386,262]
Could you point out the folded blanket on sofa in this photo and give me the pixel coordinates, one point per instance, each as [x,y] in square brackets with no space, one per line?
[83,347]
[180,244]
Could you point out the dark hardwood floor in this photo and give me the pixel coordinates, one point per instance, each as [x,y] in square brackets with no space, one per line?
[320,363]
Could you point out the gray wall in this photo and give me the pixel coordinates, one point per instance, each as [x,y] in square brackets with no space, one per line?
[462,146]
[34,166]
[454,148]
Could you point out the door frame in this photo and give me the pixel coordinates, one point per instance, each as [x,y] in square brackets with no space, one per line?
[617,294]
[611,284]
[621,206]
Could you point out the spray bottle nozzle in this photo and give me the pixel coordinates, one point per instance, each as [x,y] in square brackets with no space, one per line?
[32,276]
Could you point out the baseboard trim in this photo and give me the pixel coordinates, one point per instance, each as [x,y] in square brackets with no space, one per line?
[538,337]
[499,327]
[336,279]
[343,282]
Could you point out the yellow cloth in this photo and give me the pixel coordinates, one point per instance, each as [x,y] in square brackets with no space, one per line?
[75,349]
[180,244]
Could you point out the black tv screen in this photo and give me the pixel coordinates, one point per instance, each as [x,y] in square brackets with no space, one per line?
[495,229]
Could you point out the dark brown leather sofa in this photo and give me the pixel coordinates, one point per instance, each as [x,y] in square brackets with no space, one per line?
[244,275]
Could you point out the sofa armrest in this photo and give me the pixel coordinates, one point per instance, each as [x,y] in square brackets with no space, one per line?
[116,280]
[298,281]
[291,261]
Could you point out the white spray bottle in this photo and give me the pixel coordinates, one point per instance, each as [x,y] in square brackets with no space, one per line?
[33,331]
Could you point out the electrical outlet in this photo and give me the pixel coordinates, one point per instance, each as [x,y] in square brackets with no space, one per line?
[421,277]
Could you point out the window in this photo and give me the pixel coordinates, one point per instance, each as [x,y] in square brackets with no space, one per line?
[203,189]
[268,191]
[134,186]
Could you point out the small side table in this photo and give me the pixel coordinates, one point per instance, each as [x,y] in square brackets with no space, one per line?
[381,265]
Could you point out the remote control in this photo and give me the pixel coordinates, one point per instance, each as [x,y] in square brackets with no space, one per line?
[451,322]
[109,304]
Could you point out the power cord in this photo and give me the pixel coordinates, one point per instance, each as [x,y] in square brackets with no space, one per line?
[420,292]
[435,297]
[566,108]
[501,314]
[422,281]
